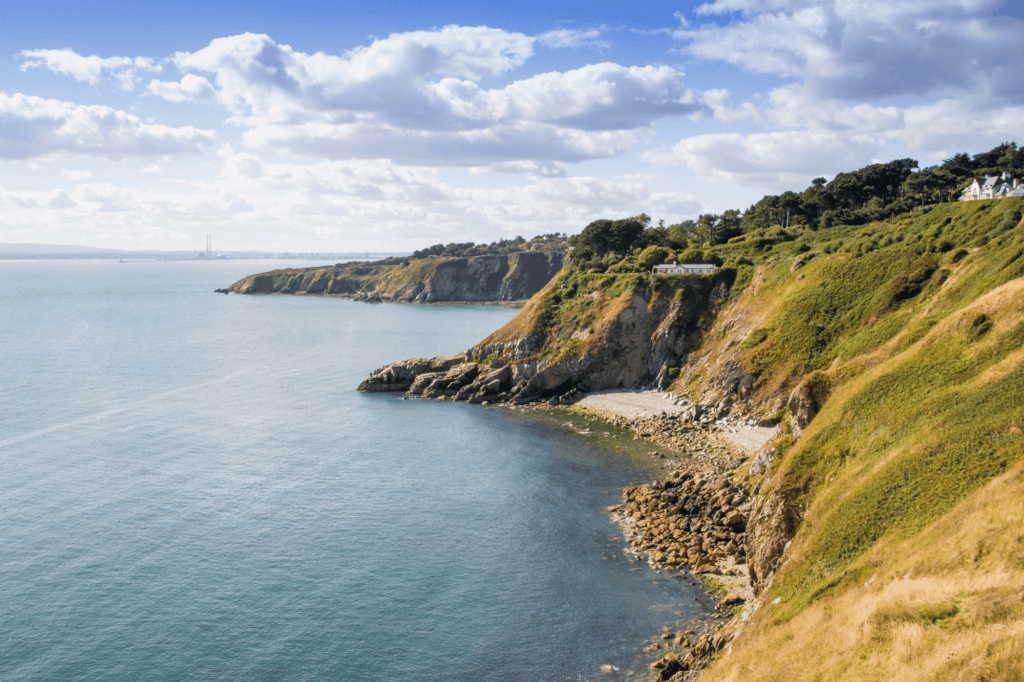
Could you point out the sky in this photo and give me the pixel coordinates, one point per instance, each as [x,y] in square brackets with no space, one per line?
[390,126]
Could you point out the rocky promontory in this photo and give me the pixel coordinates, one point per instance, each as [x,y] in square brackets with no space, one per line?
[435,279]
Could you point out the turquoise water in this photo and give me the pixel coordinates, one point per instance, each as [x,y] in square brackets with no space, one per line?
[192,489]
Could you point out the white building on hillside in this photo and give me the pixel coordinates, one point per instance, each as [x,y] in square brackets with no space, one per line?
[685,269]
[993,187]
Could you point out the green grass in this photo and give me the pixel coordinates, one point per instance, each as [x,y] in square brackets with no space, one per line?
[916,439]
[950,441]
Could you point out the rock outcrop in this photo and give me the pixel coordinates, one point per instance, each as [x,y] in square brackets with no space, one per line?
[634,342]
[806,400]
[479,279]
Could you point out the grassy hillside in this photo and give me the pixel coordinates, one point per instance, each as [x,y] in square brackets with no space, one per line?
[911,334]
[904,342]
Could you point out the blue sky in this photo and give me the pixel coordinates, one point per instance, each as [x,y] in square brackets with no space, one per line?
[394,125]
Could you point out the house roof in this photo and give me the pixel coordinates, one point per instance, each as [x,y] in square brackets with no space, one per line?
[683,265]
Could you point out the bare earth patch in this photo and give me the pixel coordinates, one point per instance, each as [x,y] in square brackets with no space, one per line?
[748,439]
[630,404]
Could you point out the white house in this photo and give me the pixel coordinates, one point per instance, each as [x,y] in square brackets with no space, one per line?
[685,269]
[993,187]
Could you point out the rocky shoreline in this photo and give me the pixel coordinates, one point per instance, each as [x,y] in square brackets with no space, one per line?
[693,519]
[706,516]
[372,297]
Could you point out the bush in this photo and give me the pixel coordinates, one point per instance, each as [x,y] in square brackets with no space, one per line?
[754,338]
[653,255]
[980,326]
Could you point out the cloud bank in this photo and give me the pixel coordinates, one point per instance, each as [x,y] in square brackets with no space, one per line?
[418,98]
[934,77]
[32,127]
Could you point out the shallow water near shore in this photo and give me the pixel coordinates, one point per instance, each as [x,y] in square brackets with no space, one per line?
[192,489]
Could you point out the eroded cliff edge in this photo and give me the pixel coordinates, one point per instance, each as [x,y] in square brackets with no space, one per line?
[477,279]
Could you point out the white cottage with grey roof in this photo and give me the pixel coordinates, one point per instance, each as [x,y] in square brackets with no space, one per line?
[684,269]
[993,187]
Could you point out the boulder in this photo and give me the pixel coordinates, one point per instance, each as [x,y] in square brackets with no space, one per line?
[732,598]
[735,519]
[423,381]
[806,401]
[762,461]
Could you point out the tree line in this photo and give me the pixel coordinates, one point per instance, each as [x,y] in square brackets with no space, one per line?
[555,240]
[872,193]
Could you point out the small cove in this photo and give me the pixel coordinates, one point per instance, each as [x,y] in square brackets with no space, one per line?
[194,490]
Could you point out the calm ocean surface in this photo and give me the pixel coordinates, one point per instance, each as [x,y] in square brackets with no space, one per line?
[192,489]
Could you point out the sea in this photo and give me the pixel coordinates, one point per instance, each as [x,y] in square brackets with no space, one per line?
[192,489]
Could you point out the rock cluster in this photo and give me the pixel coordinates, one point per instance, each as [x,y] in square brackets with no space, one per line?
[684,433]
[467,381]
[674,667]
[689,520]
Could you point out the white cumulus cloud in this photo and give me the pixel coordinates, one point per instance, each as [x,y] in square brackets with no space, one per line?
[780,160]
[931,78]
[417,98]
[869,49]
[77,175]
[32,127]
[90,69]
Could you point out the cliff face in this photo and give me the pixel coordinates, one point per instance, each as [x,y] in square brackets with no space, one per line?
[512,277]
[884,521]
[600,341]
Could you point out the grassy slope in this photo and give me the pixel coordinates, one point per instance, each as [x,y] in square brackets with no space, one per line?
[923,348]
[946,603]
[910,477]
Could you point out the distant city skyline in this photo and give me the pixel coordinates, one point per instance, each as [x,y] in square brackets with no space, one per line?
[390,126]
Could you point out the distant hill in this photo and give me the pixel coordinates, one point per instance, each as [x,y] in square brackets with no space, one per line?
[504,271]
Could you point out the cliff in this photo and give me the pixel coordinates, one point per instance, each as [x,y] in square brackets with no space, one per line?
[882,526]
[507,277]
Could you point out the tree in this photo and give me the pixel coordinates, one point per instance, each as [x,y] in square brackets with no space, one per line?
[681,233]
[931,185]
[1012,159]
[706,231]
[730,225]
[789,204]
[960,165]
[989,161]
[763,214]
[606,236]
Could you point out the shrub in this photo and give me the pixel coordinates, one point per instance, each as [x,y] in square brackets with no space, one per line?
[691,256]
[653,255]
[980,326]
[754,338]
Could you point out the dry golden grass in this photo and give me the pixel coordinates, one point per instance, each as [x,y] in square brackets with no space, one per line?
[524,322]
[947,604]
